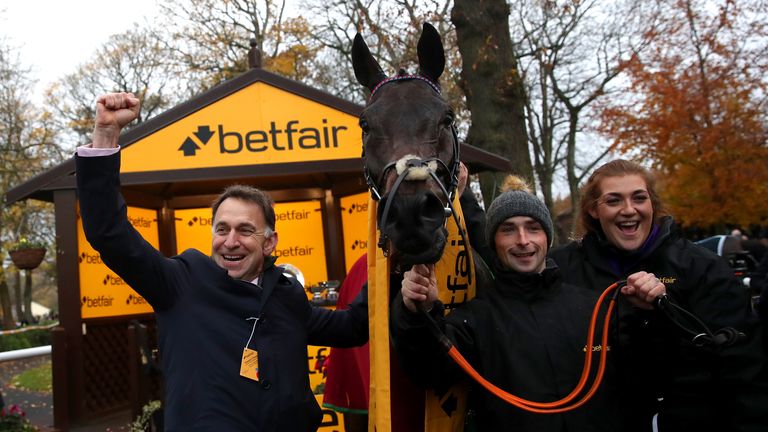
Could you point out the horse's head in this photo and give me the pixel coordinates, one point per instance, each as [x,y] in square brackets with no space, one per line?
[410,150]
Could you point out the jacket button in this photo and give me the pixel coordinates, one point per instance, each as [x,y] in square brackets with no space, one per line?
[266,385]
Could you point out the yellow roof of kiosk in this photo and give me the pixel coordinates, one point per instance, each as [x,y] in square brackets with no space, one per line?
[259,124]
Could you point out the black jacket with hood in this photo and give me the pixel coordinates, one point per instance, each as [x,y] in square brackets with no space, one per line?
[702,388]
[526,335]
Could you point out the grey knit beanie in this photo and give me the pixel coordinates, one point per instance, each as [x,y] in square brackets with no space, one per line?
[516,203]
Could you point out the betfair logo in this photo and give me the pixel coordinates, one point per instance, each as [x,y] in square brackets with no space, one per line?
[190,147]
[597,348]
[294,251]
[135,300]
[96,302]
[200,221]
[113,280]
[141,222]
[359,244]
[293,136]
[89,259]
[356,208]
[293,215]
[458,280]
[667,280]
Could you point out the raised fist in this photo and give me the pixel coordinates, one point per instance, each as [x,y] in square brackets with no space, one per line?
[113,112]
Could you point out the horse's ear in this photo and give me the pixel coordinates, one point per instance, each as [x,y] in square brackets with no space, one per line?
[431,55]
[367,69]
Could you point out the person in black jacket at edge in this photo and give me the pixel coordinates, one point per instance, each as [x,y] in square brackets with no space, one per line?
[233,329]
[661,370]
[526,334]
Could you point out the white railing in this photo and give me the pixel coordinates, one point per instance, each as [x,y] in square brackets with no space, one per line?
[25,353]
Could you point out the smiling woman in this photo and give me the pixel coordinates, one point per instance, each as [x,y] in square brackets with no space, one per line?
[629,236]
[624,210]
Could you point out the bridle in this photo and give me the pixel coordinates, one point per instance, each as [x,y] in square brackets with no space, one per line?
[403,169]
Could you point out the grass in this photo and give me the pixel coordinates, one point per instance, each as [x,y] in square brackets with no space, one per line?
[35,379]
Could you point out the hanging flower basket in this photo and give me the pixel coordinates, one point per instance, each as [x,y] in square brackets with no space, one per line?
[27,259]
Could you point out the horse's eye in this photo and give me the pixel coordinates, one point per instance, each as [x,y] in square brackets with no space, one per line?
[448,120]
[364,125]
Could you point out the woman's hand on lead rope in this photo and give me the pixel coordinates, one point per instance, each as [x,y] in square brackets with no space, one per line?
[642,289]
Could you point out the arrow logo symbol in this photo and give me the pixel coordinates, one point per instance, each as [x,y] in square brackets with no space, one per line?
[204,133]
[189,147]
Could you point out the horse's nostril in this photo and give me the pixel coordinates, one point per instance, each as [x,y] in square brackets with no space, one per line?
[431,210]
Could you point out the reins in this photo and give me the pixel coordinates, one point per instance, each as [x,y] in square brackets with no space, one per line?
[558,406]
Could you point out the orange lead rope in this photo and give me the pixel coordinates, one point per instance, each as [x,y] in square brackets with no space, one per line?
[562,404]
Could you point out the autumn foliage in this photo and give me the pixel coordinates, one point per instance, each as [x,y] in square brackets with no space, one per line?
[695,110]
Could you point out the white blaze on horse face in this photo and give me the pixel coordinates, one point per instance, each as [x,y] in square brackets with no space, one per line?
[415,173]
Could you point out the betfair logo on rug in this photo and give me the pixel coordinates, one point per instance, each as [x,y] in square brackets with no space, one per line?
[292,136]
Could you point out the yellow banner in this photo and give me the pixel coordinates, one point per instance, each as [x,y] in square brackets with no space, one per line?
[332,420]
[102,292]
[456,284]
[257,125]
[194,229]
[301,240]
[354,224]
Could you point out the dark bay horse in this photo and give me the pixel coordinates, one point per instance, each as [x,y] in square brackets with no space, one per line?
[410,151]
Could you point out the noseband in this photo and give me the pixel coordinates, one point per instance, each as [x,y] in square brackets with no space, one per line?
[406,166]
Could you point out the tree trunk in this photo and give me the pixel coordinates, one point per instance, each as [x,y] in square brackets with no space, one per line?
[5,302]
[492,84]
[17,298]
[28,297]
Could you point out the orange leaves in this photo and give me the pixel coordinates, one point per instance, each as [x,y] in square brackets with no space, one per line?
[695,110]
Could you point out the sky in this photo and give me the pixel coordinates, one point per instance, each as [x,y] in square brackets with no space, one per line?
[52,37]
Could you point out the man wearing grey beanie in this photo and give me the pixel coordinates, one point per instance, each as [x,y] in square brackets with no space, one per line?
[519,217]
[525,334]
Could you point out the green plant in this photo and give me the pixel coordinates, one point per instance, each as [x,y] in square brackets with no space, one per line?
[15,420]
[143,422]
[25,243]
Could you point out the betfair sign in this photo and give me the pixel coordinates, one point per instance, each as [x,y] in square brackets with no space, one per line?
[102,292]
[354,222]
[299,226]
[259,124]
